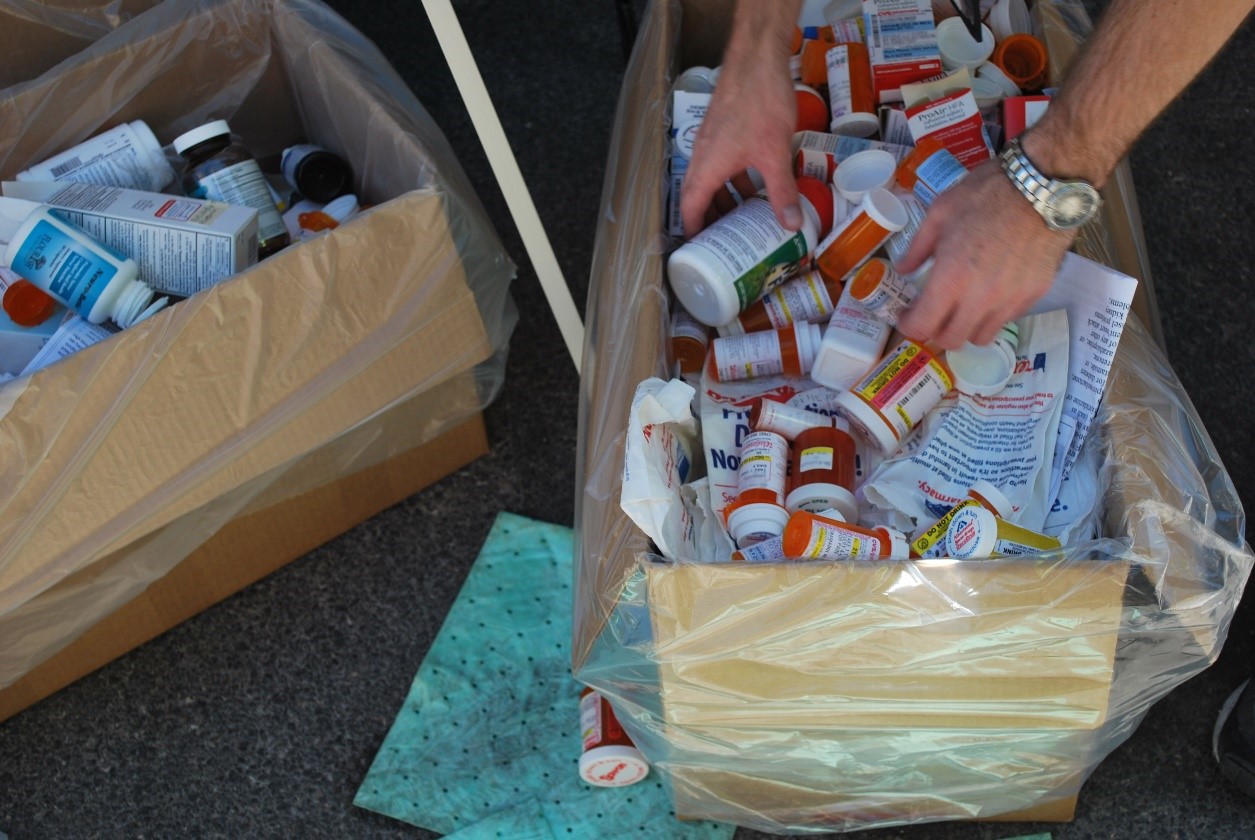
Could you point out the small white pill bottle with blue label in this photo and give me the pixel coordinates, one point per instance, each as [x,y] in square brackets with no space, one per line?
[60,258]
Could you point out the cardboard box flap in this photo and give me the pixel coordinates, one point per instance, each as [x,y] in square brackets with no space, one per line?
[934,643]
[130,434]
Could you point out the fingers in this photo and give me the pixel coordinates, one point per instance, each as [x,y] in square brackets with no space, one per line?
[782,190]
[924,243]
[700,184]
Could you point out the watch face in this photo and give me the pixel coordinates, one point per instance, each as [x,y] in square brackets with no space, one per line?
[1072,205]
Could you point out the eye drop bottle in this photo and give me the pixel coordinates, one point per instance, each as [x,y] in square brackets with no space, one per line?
[75,269]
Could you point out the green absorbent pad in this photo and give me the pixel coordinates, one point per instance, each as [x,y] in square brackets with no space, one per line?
[487,744]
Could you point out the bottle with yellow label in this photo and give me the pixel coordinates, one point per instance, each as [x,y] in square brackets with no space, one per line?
[975,533]
[890,401]
[932,541]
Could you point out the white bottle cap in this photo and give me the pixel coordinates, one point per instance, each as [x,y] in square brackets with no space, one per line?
[342,208]
[200,134]
[855,124]
[959,49]
[613,766]
[809,338]
[864,171]
[867,422]
[696,79]
[984,370]
[994,73]
[987,94]
[134,304]
[972,534]
[994,497]
[817,498]
[1009,17]
[756,522]
[713,303]
[885,209]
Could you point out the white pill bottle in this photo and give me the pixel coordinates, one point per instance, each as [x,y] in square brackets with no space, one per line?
[730,265]
[85,275]
[126,155]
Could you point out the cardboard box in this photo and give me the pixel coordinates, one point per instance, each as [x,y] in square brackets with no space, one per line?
[810,696]
[280,407]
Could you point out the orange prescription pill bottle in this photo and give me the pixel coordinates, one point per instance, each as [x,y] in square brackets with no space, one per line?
[764,465]
[850,95]
[767,551]
[879,216]
[882,291]
[729,265]
[930,170]
[932,542]
[610,759]
[790,351]
[822,472]
[810,298]
[891,400]
[816,537]
[768,415]
[1024,60]
[812,110]
[690,339]
[814,64]
[26,304]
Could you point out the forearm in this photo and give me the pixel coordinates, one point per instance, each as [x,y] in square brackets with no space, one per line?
[762,30]
[1142,54]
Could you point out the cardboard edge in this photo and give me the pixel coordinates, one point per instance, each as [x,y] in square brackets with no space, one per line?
[199,582]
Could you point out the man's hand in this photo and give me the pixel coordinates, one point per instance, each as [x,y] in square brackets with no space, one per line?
[994,255]
[750,121]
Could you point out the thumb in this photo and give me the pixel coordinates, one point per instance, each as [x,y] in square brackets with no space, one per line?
[923,245]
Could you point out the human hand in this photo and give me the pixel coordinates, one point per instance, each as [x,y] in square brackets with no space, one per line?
[749,123]
[994,255]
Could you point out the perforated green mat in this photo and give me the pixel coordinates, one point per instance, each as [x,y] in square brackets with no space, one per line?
[487,743]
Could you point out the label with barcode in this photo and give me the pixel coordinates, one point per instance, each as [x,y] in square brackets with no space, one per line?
[66,166]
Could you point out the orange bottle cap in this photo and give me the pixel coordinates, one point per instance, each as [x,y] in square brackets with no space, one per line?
[1024,59]
[818,195]
[316,221]
[27,305]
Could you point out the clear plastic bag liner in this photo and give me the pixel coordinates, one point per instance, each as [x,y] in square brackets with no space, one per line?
[814,697]
[334,355]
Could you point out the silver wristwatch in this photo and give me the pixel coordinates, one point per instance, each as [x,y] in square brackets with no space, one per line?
[1065,205]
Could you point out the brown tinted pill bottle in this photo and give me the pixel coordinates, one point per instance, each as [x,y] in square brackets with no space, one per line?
[220,169]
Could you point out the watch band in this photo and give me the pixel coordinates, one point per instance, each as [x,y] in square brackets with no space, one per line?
[1035,186]
[1062,204]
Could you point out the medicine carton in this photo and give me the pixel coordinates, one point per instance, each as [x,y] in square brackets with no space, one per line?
[183,245]
[901,43]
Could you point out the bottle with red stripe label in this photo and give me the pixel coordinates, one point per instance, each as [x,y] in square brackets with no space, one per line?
[610,759]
